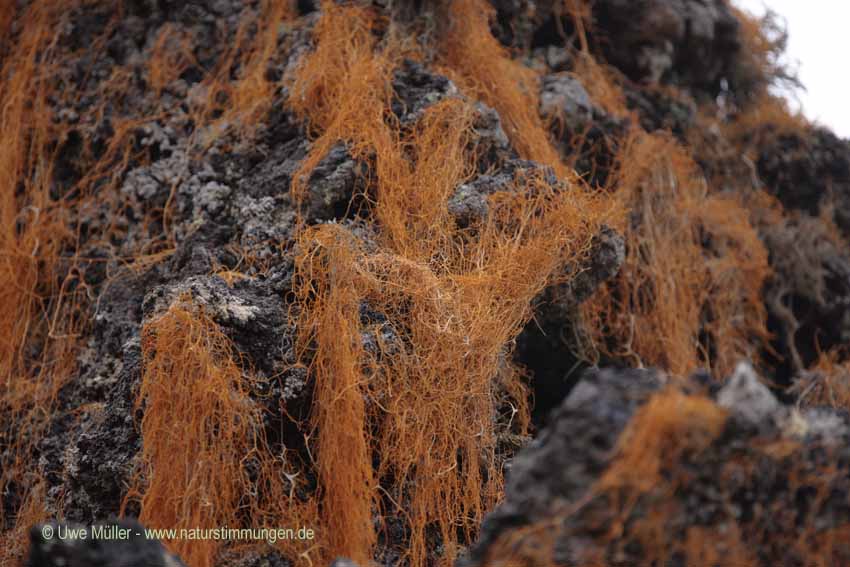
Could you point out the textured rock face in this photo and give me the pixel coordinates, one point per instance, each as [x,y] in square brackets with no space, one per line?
[227,229]
[690,42]
[548,345]
[809,295]
[562,463]
[229,202]
[559,470]
[809,172]
[807,169]
[565,96]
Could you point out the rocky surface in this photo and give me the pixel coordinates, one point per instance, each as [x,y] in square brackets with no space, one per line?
[808,297]
[689,42]
[196,210]
[692,43]
[809,171]
[230,201]
[772,459]
[549,345]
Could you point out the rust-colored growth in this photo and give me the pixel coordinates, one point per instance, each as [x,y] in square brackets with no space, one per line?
[827,382]
[433,386]
[736,262]
[31,231]
[253,92]
[531,546]
[238,103]
[347,487]
[38,319]
[31,511]
[668,428]
[412,195]
[171,55]
[342,89]
[343,92]
[693,264]
[201,434]
[454,300]
[476,60]
[765,119]
[658,435]
[199,425]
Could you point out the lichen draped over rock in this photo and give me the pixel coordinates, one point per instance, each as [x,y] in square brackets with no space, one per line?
[395,271]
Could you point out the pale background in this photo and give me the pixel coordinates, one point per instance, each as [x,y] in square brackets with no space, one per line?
[820,43]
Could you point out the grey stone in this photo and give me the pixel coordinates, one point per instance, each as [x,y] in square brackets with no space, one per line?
[745,395]
[564,96]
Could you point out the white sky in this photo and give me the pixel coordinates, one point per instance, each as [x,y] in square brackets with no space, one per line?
[819,39]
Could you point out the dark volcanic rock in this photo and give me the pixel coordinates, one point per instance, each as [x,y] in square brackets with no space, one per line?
[417,88]
[660,111]
[808,171]
[731,488]
[261,558]
[691,43]
[550,344]
[469,203]
[565,96]
[251,312]
[96,453]
[687,42]
[808,296]
[586,135]
[566,457]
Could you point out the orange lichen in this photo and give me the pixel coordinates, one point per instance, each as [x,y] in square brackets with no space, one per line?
[827,382]
[199,426]
[473,58]
[201,435]
[670,427]
[455,299]
[342,89]
[239,91]
[688,292]
[347,485]
[39,316]
[669,424]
